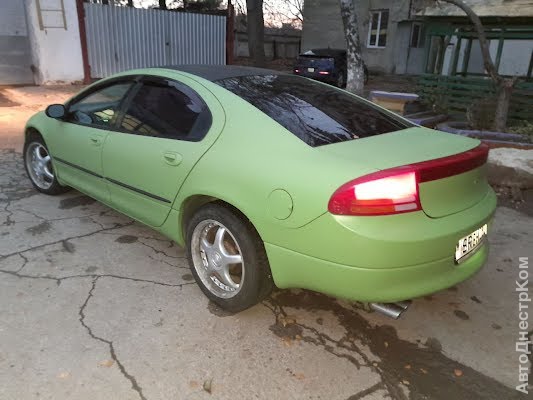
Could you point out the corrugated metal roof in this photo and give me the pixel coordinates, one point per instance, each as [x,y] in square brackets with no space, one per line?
[483,8]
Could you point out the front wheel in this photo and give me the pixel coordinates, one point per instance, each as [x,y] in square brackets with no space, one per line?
[38,164]
[227,258]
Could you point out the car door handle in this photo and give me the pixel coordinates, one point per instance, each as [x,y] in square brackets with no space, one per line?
[96,140]
[172,158]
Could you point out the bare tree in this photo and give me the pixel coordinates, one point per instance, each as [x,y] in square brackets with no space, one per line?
[296,9]
[284,11]
[504,86]
[256,31]
[355,74]
[240,7]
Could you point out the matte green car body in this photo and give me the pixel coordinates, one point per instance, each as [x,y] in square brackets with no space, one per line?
[283,187]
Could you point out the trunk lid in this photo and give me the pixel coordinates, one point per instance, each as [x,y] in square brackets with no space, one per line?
[438,197]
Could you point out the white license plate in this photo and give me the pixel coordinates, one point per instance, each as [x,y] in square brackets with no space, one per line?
[311,69]
[467,245]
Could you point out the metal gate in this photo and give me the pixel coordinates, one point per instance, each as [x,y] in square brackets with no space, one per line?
[15,53]
[122,38]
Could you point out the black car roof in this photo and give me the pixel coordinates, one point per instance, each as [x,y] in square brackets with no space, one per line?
[218,72]
[326,52]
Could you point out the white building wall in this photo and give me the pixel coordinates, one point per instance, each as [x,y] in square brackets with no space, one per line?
[56,52]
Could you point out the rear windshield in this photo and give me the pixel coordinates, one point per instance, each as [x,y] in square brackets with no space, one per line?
[315,113]
[319,61]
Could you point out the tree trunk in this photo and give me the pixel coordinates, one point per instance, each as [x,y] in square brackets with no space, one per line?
[130,3]
[355,74]
[256,31]
[505,90]
[162,4]
[503,85]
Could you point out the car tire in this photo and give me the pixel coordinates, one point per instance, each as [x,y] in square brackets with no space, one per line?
[217,235]
[38,165]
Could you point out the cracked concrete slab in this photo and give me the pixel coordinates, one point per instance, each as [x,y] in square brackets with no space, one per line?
[184,343]
[44,351]
[93,305]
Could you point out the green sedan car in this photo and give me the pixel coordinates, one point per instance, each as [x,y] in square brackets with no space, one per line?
[268,178]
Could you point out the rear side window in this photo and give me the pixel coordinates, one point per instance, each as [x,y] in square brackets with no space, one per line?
[167,109]
[315,113]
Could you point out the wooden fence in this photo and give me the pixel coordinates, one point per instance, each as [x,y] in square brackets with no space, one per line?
[457,93]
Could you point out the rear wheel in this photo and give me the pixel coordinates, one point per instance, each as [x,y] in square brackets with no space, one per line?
[38,164]
[227,258]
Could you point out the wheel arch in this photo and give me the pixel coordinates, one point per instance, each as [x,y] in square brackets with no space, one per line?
[193,203]
[31,131]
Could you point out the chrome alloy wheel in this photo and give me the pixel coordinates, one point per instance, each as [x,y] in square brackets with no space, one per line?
[39,165]
[217,258]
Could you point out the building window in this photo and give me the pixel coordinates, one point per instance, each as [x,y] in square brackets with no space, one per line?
[377,29]
[417,35]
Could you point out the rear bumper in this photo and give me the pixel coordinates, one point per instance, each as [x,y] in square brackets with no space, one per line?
[381,259]
[371,285]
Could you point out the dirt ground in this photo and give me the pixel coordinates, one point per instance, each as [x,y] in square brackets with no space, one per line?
[94,305]
[17,104]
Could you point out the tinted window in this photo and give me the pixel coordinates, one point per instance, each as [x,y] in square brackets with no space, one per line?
[315,113]
[169,110]
[99,108]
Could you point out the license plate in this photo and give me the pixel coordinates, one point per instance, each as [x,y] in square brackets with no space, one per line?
[311,69]
[470,243]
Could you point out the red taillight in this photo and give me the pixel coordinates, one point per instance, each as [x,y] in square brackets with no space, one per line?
[297,70]
[395,190]
[323,72]
[384,192]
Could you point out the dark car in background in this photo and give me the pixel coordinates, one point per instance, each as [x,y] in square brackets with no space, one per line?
[326,65]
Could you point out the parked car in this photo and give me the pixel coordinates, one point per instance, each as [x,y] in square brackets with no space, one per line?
[326,65]
[269,178]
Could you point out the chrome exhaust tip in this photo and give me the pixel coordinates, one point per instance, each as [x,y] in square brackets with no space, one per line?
[391,310]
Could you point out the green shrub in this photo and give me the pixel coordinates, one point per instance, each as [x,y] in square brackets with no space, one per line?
[521,127]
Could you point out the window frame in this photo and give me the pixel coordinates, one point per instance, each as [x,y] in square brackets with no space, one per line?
[133,79]
[421,39]
[142,79]
[378,30]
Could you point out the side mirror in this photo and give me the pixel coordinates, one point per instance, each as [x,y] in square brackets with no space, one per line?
[55,111]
